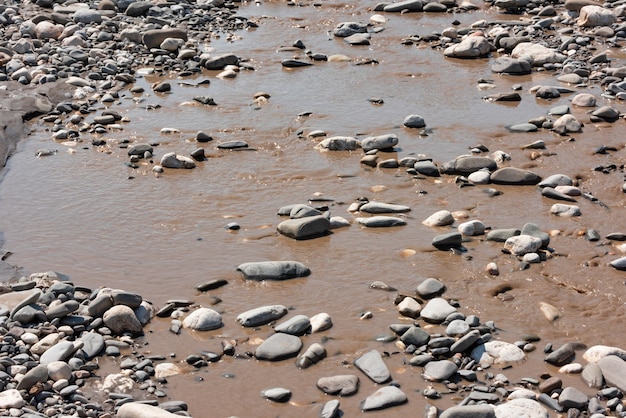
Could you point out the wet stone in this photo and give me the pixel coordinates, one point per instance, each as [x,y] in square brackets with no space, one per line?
[437,310]
[469,411]
[262,315]
[384,397]
[340,385]
[279,346]
[372,364]
[311,355]
[297,325]
[439,370]
[277,394]
[273,270]
[430,287]
[330,409]
[571,397]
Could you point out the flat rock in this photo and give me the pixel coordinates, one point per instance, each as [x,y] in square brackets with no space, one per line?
[415,336]
[219,62]
[153,38]
[338,143]
[437,310]
[471,228]
[584,100]
[406,5]
[372,364]
[383,398]
[427,168]
[273,270]
[571,397]
[173,160]
[203,319]
[514,176]
[37,374]
[521,407]
[501,235]
[467,164]
[345,29]
[619,264]
[552,193]
[142,410]
[537,54]
[614,371]
[330,409]
[305,228]
[380,142]
[313,354]
[469,411]
[297,325]
[563,210]
[277,394]
[380,207]
[262,315]
[447,241]
[301,211]
[598,352]
[438,371]
[61,351]
[523,127]
[430,287]
[470,47]
[380,221]
[556,180]
[279,346]
[590,16]
[340,385]
[562,355]
[498,353]
[93,344]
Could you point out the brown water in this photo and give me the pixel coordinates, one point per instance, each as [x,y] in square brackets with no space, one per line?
[89,216]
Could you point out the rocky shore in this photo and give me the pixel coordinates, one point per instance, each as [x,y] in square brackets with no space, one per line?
[62,61]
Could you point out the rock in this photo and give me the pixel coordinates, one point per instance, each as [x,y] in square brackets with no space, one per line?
[219,62]
[598,352]
[590,16]
[465,342]
[614,371]
[305,228]
[230,145]
[380,142]
[534,230]
[321,322]
[262,315]
[341,385]
[414,121]
[358,39]
[440,218]
[606,113]
[37,374]
[121,319]
[409,307]
[203,319]
[429,288]
[457,328]
[619,264]
[550,312]
[562,355]
[438,371]
[469,411]
[61,351]
[277,347]
[87,16]
[330,409]
[154,37]
[592,375]
[471,228]
[297,325]
[465,165]
[536,54]
[11,398]
[527,408]
[556,180]
[522,244]
[339,143]
[470,47]
[379,207]
[406,5]
[93,344]
[58,370]
[311,355]
[437,310]
[514,176]
[300,211]
[277,394]
[273,270]
[571,397]
[345,29]
[498,353]
[501,235]
[584,100]
[291,63]
[372,364]
[415,336]
[566,124]
[572,368]
[447,241]
[523,127]
[380,221]
[427,168]
[551,193]
[172,160]
[384,397]
[142,410]
[138,8]
[563,210]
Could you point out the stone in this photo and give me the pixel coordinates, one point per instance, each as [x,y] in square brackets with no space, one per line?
[457,328]
[466,165]
[373,366]
[427,168]
[563,210]
[311,356]
[277,347]
[405,5]
[302,211]
[501,235]
[380,221]
[429,288]
[514,176]
[414,121]
[340,385]
[590,16]
[277,394]
[470,47]
[536,54]
[345,29]
[11,398]
[439,218]
[562,355]
[498,353]
[447,241]
[173,160]
[556,180]
[138,8]
[384,397]
[469,411]
[297,325]
[415,336]
[619,264]
[338,143]
[592,375]
[142,410]
[471,228]
[523,127]
[552,193]
[37,374]
[273,270]
[358,39]
[534,230]
[614,371]
[321,322]
[59,370]
[437,310]
[330,409]
[438,371]
[380,142]
[409,307]
[93,344]
[154,37]
[61,351]
[121,319]
[305,228]
[584,100]
[380,207]
[571,397]
[262,315]
[522,244]
[465,342]
[566,124]
[203,319]
[87,16]
[597,352]
[521,407]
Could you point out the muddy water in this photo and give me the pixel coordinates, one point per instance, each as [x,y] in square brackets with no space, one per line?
[84,213]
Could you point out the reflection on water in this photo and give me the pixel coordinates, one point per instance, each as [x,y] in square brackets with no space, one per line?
[87,214]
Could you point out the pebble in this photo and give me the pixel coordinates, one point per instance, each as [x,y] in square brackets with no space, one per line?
[277,394]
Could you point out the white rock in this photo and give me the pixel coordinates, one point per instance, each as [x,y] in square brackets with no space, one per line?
[472,228]
[517,408]
[498,353]
[440,218]
[597,352]
[571,368]
[561,209]
[162,370]
[537,54]
[320,322]
[522,244]
[592,15]
[11,398]
[409,307]
[203,319]
[171,160]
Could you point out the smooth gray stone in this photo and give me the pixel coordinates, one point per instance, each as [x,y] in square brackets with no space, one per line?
[120,319]
[93,344]
[358,39]
[302,211]
[142,410]
[380,207]
[427,168]
[341,385]
[506,65]
[614,371]
[559,110]
[447,241]
[415,336]
[59,288]
[203,319]
[311,356]
[121,297]
[100,304]
[561,209]
[140,149]
[330,410]
[514,176]
[273,270]
[277,394]
[305,228]
[372,364]
[457,327]
[607,113]
[262,315]
[619,264]
[138,8]
[523,127]
[549,402]
[297,325]
[339,143]
[571,397]
[430,287]
[439,370]
[465,165]
[556,180]
[516,408]
[172,160]
[279,346]
[561,356]
[37,374]
[549,192]
[383,398]
[414,121]
[466,342]
[510,42]
[28,314]
[87,16]
[408,5]
[153,38]
[469,411]
[62,309]
[478,396]
[380,142]
[61,351]
[501,235]
[381,221]
[534,230]
[616,236]
[291,63]
[218,62]
[345,29]
[548,92]
[592,375]
[421,359]
[503,97]
[434,7]
[437,310]
[28,297]
[232,145]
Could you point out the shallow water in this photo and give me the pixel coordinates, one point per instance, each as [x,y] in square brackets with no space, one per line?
[86,214]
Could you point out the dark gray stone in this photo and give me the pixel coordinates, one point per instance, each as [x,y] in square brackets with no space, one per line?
[514,176]
[305,228]
[278,347]
[447,241]
[415,336]
[465,165]
[297,325]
